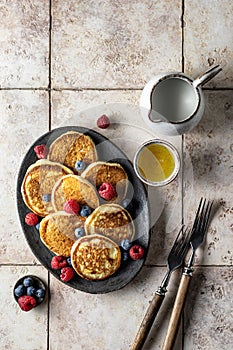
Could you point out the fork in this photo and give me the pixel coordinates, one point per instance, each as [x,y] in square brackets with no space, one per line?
[174,260]
[198,232]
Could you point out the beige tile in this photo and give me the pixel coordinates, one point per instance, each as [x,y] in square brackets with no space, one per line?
[208,312]
[208,39]
[209,151]
[106,44]
[24,43]
[20,329]
[24,117]
[109,321]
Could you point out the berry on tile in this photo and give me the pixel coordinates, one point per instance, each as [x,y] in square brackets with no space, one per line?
[103,122]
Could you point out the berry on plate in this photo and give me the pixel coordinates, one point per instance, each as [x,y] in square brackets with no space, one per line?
[85,211]
[67,273]
[28,282]
[80,165]
[103,122]
[136,252]
[40,293]
[41,151]
[58,262]
[79,232]
[107,191]
[26,302]
[46,197]
[71,207]
[20,290]
[31,219]
[126,244]
[31,291]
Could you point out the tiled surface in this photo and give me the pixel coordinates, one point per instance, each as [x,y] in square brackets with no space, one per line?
[101,54]
[122,42]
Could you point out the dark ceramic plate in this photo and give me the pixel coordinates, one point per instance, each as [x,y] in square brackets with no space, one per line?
[138,208]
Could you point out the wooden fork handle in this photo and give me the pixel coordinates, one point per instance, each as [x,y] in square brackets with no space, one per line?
[147,322]
[176,313]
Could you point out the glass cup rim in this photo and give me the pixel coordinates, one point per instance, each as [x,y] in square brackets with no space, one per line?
[173,151]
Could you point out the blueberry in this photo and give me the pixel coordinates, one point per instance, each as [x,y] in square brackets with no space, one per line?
[39,300]
[46,197]
[40,293]
[79,232]
[80,165]
[20,290]
[69,261]
[125,244]
[85,211]
[28,281]
[38,226]
[31,291]
[125,256]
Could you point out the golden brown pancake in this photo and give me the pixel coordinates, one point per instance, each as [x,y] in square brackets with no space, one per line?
[112,221]
[70,147]
[57,231]
[95,257]
[74,187]
[99,172]
[39,181]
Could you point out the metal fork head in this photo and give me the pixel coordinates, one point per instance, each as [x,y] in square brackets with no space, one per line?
[200,223]
[179,249]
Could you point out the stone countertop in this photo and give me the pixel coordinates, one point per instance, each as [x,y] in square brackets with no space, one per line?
[58,61]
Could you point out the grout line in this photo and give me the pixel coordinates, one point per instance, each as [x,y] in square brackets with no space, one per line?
[182,33]
[48,313]
[217,89]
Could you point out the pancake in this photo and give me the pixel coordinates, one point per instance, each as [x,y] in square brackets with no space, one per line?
[112,221]
[74,187]
[57,231]
[95,257]
[99,172]
[70,147]
[38,182]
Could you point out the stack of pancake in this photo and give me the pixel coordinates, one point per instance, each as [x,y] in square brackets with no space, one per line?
[49,183]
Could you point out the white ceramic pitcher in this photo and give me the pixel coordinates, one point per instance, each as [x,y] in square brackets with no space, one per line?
[173,103]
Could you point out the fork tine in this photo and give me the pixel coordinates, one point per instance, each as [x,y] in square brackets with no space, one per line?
[174,245]
[185,242]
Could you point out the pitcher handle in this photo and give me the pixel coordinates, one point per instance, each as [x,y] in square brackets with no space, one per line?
[204,78]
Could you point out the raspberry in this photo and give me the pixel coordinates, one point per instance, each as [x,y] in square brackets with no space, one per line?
[26,302]
[67,273]
[58,262]
[107,191]
[71,206]
[136,252]
[103,122]
[41,151]
[31,219]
